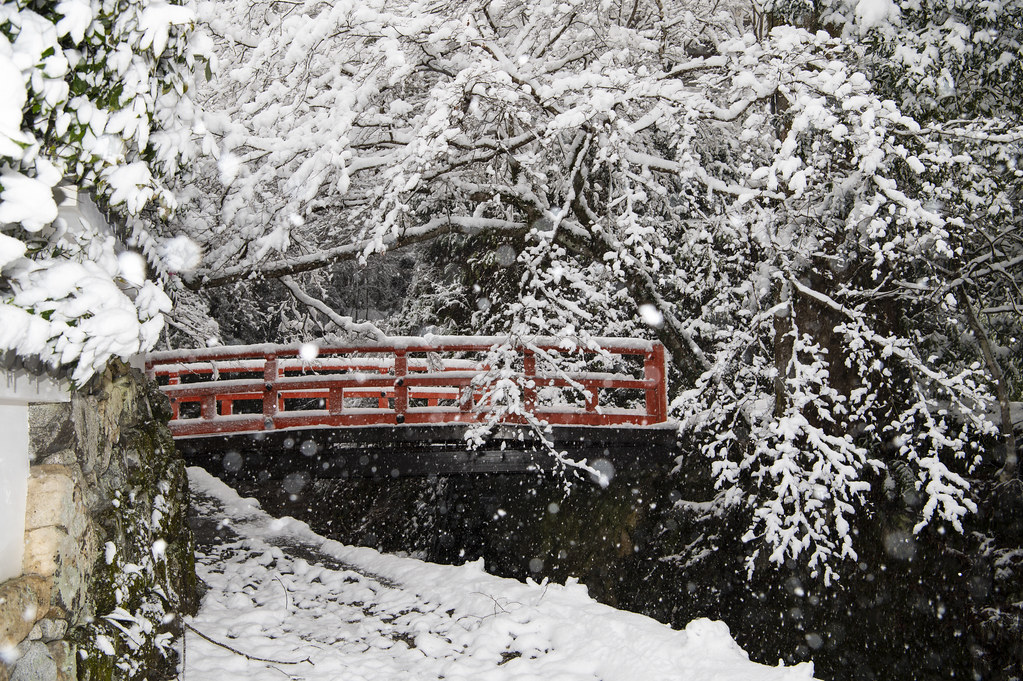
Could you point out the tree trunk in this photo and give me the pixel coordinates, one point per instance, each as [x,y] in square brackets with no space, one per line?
[1010,467]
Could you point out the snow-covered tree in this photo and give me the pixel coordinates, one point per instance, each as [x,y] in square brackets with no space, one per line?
[957,67]
[94,98]
[788,227]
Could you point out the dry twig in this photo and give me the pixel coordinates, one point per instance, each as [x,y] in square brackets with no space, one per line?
[238,652]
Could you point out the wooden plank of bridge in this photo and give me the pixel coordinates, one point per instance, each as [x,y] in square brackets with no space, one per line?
[529,376]
[335,401]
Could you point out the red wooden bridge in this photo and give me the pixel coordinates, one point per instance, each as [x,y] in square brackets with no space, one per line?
[413,390]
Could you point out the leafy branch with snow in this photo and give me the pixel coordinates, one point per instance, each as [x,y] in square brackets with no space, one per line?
[96,99]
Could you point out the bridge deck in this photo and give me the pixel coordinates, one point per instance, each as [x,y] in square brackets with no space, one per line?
[435,449]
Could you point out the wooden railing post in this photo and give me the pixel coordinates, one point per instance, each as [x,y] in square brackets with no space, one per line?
[382,401]
[174,379]
[400,389]
[208,407]
[528,379]
[335,401]
[269,392]
[656,396]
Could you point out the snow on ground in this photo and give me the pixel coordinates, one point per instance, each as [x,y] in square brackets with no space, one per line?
[311,608]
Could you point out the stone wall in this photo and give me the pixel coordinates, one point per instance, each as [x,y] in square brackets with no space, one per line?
[108,566]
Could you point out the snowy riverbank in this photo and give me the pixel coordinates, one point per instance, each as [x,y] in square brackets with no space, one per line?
[311,608]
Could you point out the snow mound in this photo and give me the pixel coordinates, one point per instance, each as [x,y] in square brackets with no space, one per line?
[282,593]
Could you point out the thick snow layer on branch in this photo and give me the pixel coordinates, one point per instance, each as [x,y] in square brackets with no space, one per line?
[26,201]
[873,13]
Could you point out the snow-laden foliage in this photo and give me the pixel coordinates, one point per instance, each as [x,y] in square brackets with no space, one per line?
[94,97]
[935,56]
[797,218]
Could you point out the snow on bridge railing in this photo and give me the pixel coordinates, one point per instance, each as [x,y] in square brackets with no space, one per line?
[407,380]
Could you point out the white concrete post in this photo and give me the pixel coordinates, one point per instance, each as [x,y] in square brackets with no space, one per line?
[13,485]
[17,390]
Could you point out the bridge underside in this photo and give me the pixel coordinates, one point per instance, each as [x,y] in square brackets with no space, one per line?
[421,450]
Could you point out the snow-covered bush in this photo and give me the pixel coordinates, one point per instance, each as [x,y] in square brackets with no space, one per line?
[93,95]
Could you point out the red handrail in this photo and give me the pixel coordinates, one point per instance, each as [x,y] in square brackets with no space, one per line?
[393,375]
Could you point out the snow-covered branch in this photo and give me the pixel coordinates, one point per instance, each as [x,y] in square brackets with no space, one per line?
[450,224]
[346,324]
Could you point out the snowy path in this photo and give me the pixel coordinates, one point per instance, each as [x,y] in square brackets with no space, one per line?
[314,609]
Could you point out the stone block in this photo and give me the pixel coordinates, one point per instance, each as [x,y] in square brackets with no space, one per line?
[64,560]
[70,590]
[51,498]
[62,457]
[23,601]
[64,557]
[35,664]
[42,550]
[50,429]
[48,630]
[63,654]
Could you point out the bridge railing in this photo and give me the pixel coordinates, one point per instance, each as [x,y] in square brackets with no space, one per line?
[406,381]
